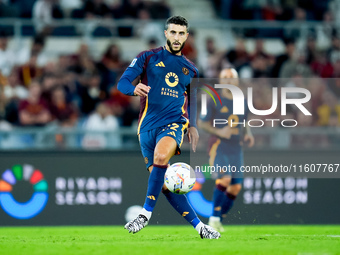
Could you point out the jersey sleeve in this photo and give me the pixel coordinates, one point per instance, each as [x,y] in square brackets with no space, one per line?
[192,105]
[192,95]
[131,73]
[246,110]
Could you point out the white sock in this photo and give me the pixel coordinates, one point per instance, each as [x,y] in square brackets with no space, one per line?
[146,213]
[214,218]
[199,226]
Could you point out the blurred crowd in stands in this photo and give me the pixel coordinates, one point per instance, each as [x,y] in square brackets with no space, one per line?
[58,9]
[73,91]
[45,13]
[79,91]
[270,10]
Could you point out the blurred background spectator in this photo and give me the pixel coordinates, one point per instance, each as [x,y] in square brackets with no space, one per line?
[63,112]
[330,107]
[102,120]
[7,56]
[13,90]
[37,49]
[189,49]
[96,9]
[34,111]
[43,13]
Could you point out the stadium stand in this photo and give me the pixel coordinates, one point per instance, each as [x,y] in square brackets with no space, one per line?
[82,48]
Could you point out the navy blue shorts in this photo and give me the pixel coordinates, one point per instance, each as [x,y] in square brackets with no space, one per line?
[227,163]
[149,139]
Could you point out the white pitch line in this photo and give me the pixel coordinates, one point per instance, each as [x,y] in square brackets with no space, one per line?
[334,236]
[308,253]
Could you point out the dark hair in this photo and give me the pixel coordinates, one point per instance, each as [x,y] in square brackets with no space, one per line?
[39,39]
[3,34]
[288,40]
[177,20]
[107,54]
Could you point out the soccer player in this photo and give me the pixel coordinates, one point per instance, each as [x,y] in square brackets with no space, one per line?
[164,77]
[226,149]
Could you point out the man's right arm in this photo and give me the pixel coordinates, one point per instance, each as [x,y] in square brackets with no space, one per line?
[224,132]
[125,85]
[205,123]
[131,73]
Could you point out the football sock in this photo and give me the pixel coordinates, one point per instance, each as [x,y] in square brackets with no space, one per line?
[199,226]
[155,183]
[219,194]
[181,205]
[227,204]
[146,213]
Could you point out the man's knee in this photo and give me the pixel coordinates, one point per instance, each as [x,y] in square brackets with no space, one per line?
[224,181]
[164,150]
[234,189]
[161,158]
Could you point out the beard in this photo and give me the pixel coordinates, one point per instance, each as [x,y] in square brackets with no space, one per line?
[171,49]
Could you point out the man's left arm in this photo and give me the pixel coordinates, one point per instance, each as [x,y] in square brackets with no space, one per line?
[248,137]
[193,135]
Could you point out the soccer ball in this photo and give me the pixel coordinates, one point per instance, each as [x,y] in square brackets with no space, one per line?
[179,178]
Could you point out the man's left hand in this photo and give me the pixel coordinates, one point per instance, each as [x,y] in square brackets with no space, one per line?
[193,137]
[249,139]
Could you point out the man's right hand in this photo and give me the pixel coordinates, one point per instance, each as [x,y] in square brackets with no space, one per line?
[141,90]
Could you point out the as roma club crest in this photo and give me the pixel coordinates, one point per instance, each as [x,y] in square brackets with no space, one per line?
[185,71]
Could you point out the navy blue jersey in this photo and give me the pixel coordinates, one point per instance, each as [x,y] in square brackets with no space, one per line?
[169,77]
[225,112]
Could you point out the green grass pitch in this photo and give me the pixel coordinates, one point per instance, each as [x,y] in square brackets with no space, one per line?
[302,240]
